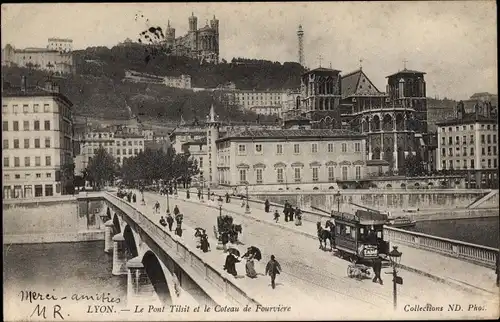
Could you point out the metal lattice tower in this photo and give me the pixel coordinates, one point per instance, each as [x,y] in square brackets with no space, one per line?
[300,36]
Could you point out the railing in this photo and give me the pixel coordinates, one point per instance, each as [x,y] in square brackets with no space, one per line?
[477,254]
[214,278]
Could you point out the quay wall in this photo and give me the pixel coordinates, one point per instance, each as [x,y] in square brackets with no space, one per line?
[62,219]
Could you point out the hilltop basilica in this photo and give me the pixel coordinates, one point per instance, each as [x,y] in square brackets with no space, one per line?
[202,44]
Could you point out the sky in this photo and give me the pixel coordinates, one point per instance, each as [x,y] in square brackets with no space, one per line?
[454,42]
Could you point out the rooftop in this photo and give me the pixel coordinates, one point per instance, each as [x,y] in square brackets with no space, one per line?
[468,119]
[128,136]
[292,134]
[202,141]
[322,69]
[406,71]
[350,85]
[34,91]
[36,50]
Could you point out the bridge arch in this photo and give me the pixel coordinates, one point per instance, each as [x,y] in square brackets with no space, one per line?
[130,242]
[116,224]
[156,275]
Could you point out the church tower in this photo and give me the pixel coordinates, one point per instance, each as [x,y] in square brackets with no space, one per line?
[214,24]
[193,32]
[213,126]
[170,36]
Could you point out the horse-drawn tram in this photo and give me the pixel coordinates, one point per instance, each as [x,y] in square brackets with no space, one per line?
[359,236]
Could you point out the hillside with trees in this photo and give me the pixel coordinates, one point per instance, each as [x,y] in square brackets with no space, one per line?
[97,88]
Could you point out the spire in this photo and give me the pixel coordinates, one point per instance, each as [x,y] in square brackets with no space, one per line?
[212,113]
[214,17]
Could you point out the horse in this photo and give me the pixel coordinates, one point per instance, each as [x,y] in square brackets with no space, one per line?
[323,236]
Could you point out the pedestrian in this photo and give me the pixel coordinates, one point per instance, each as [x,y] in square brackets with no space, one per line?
[285,210]
[228,198]
[176,210]
[230,265]
[298,217]
[178,231]
[266,206]
[162,221]
[178,219]
[273,268]
[170,221]
[224,239]
[134,198]
[377,267]
[157,207]
[204,244]
[143,203]
[290,212]
[250,266]
[242,202]
[276,215]
[498,268]
[199,194]
[128,197]
[187,194]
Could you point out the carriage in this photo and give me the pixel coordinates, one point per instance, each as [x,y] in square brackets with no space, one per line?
[225,224]
[359,236]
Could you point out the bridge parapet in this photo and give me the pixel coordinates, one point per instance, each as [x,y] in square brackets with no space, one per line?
[477,254]
[219,288]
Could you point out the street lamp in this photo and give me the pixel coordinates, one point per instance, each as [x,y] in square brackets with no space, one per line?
[168,204]
[338,201]
[247,208]
[219,237]
[395,258]
[202,184]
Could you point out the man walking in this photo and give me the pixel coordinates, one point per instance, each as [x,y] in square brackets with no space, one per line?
[170,221]
[273,268]
[377,267]
[176,210]
[266,205]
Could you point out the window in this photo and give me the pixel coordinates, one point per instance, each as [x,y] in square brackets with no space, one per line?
[15,109]
[16,125]
[26,125]
[130,143]
[495,163]
[37,161]
[450,140]
[471,151]
[358,172]
[296,148]
[47,125]
[314,148]
[344,147]
[315,174]
[48,175]
[482,138]
[465,164]
[6,162]
[5,109]
[494,138]
[482,151]
[201,162]
[443,151]
[258,148]
[357,147]
[472,139]
[16,162]
[443,165]
[241,149]
[243,175]
[5,144]
[47,142]
[472,164]
[5,125]
[48,190]
[489,150]
[129,151]
[25,108]
[495,150]
[26,161]
[297,174]
[135,151]
[16,143]
[344,173]
[330,147]
[279,174]
[46,108]
[450,164]
[259,175]
[47,160]
[279,149]
[489,163]
[457,139]
[331,174]
[464,139]
[36,125]
[488,127]
[124,151]
[450,152]
[36,108]
[488,139]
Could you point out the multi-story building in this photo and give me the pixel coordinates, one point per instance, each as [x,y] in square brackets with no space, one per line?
[469,144]
[56,58]
[267,110]
[250,98]
[183,81]
[198,151]
[61,44]
[200,43]
[37,135]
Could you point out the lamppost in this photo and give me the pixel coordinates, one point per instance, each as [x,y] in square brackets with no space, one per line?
[247,208]
[168,204]
[338,201]
[395,258]
[202,184]
[219,237]
[208,192]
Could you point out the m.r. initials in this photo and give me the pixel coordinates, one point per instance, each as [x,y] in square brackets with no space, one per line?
[40,311]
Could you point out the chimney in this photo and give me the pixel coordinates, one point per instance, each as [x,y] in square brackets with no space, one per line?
[23,84]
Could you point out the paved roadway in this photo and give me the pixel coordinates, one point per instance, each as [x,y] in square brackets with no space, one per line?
[320,277]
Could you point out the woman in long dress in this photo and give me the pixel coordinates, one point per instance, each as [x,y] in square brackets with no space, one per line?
[298,217]
[250,267]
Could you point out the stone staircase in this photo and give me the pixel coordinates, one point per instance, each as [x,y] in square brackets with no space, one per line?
[488,197]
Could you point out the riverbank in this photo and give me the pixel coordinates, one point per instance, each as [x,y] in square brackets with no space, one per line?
[68,237]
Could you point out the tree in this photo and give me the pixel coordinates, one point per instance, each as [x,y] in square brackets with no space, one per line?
[102,168]
[413,166]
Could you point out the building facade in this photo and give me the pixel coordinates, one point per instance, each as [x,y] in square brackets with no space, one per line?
[267,110]
[56,58]
[250,98]
[183,81]
[37,135]
[290,157]
[202,44]
[469,145]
